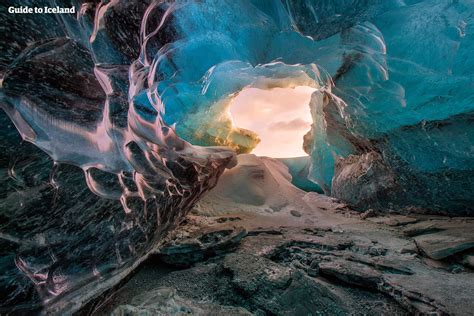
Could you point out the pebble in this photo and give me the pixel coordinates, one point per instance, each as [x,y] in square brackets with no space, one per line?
[295,213]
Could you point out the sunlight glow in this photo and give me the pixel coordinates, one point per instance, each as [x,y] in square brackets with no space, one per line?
[280,117]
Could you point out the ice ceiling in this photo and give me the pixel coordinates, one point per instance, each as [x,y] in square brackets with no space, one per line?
[128,97]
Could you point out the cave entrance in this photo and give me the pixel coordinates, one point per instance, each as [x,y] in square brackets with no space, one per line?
[279,116]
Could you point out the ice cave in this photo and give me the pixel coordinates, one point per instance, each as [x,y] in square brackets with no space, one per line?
[279,117]
[239,157]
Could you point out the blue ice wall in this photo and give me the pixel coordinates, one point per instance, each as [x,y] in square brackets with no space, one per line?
[398,77]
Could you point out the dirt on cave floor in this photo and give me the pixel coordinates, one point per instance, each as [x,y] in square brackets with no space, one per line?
[325,260]
[256,244]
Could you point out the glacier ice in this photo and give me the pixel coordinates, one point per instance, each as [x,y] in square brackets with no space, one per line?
[122,104]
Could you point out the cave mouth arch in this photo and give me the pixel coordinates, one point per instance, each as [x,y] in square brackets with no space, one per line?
[279,116]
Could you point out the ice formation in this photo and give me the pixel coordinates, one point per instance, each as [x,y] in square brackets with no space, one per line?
[133,93]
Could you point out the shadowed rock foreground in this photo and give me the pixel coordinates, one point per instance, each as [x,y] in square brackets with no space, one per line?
[357,267]
[321,260]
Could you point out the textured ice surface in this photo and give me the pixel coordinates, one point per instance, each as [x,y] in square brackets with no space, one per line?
[110,179]
[114,101]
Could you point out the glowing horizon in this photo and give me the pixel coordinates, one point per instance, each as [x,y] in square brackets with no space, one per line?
[280,117]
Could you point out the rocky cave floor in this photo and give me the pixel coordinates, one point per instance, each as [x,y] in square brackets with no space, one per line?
[328,260]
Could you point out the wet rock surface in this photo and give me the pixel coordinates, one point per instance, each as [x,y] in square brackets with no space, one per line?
[438,239]
[444,244]
[165,301]
[360,267]
[184,252]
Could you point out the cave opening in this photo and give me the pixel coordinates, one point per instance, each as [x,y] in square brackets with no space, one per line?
[279,116]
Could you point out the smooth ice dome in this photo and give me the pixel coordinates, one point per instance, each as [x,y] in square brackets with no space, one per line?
[124,108]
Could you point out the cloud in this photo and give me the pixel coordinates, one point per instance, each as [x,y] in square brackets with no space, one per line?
[297,124]
[280,116]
